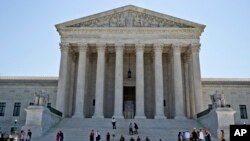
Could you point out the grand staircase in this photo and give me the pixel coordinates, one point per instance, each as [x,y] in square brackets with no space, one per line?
[79,129]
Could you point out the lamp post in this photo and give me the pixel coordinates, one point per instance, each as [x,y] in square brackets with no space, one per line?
[129,71]
[15,127]
[113,135]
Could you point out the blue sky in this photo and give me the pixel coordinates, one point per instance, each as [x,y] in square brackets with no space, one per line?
[29,42]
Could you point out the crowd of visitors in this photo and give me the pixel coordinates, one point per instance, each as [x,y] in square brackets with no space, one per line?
[195,135]
[133,129]
[25,137]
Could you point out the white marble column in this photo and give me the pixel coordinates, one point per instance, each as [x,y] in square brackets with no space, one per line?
[118,113]
[191,88]
[80,86]
[139,81]
[99,91]
[62,82]
[178,88]
[186,74]
[159,107]
[197,79]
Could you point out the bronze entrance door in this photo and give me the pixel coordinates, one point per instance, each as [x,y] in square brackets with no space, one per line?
[129,102]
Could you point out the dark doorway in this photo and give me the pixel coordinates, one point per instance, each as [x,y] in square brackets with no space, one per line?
[129,102]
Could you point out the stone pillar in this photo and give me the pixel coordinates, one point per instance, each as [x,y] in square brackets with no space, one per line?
[80,86]
[197,79]
[191,88]
[178,88]
[62,82]
[139,81]
[159,107]
[99,91]
[118,113]
[186,74]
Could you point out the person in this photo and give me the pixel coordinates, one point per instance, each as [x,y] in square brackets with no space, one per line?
[147,139]
[108,137]
[58,136]
[138,139]
[22,135]
[187,136]
[92,135]
[122,138]
[61,136]
[114,122]
[183,136]
[98,136]
[136,128]
[29,134]
[1,136]
[130,127]
[222,135]
[179,136]
[194,135]
[132,139]
[201,135]
[207,136]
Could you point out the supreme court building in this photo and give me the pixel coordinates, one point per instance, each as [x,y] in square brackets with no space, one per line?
[130,62]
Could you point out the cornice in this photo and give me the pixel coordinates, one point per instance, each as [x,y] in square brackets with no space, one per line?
[225,81]
[196,32]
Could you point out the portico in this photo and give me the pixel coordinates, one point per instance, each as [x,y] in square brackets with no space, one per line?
[97,52]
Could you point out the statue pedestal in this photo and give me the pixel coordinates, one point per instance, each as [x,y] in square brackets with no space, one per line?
[218,119]
[225,117]
[40,119]
[34,119]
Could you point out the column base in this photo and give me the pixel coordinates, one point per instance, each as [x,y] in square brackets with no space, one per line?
[98,116]
[160,117]
[78,115]
[180,118]
[118,117]
[140,117]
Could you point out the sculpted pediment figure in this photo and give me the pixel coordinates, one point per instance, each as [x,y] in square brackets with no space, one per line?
[130,16]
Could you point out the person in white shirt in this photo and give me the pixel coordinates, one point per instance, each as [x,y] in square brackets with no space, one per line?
[187,136]
[98,136]
[114,122]
[201,135]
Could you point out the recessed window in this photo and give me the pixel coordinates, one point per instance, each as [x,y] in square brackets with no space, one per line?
[17,107]
[243,112]
[2,108]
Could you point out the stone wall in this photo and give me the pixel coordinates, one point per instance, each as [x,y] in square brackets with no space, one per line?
[236,91]
[22,90]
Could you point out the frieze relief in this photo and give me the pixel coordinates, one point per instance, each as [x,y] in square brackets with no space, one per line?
[129,19]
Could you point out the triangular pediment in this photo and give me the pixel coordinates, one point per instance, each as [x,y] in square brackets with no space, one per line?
[130,16]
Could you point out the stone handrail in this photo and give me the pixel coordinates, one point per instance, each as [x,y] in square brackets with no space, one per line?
[205,112]
[54,111]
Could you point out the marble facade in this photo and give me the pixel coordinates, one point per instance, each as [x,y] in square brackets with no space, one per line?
[94,66]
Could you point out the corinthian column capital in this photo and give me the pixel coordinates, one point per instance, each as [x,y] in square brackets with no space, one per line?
[101,47]
[64,47]
[119,47]
[83,47]
[158,47]
[195,48]
[139,47]
[176,48]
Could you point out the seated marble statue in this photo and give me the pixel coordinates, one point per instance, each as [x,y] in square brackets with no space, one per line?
[218,100]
